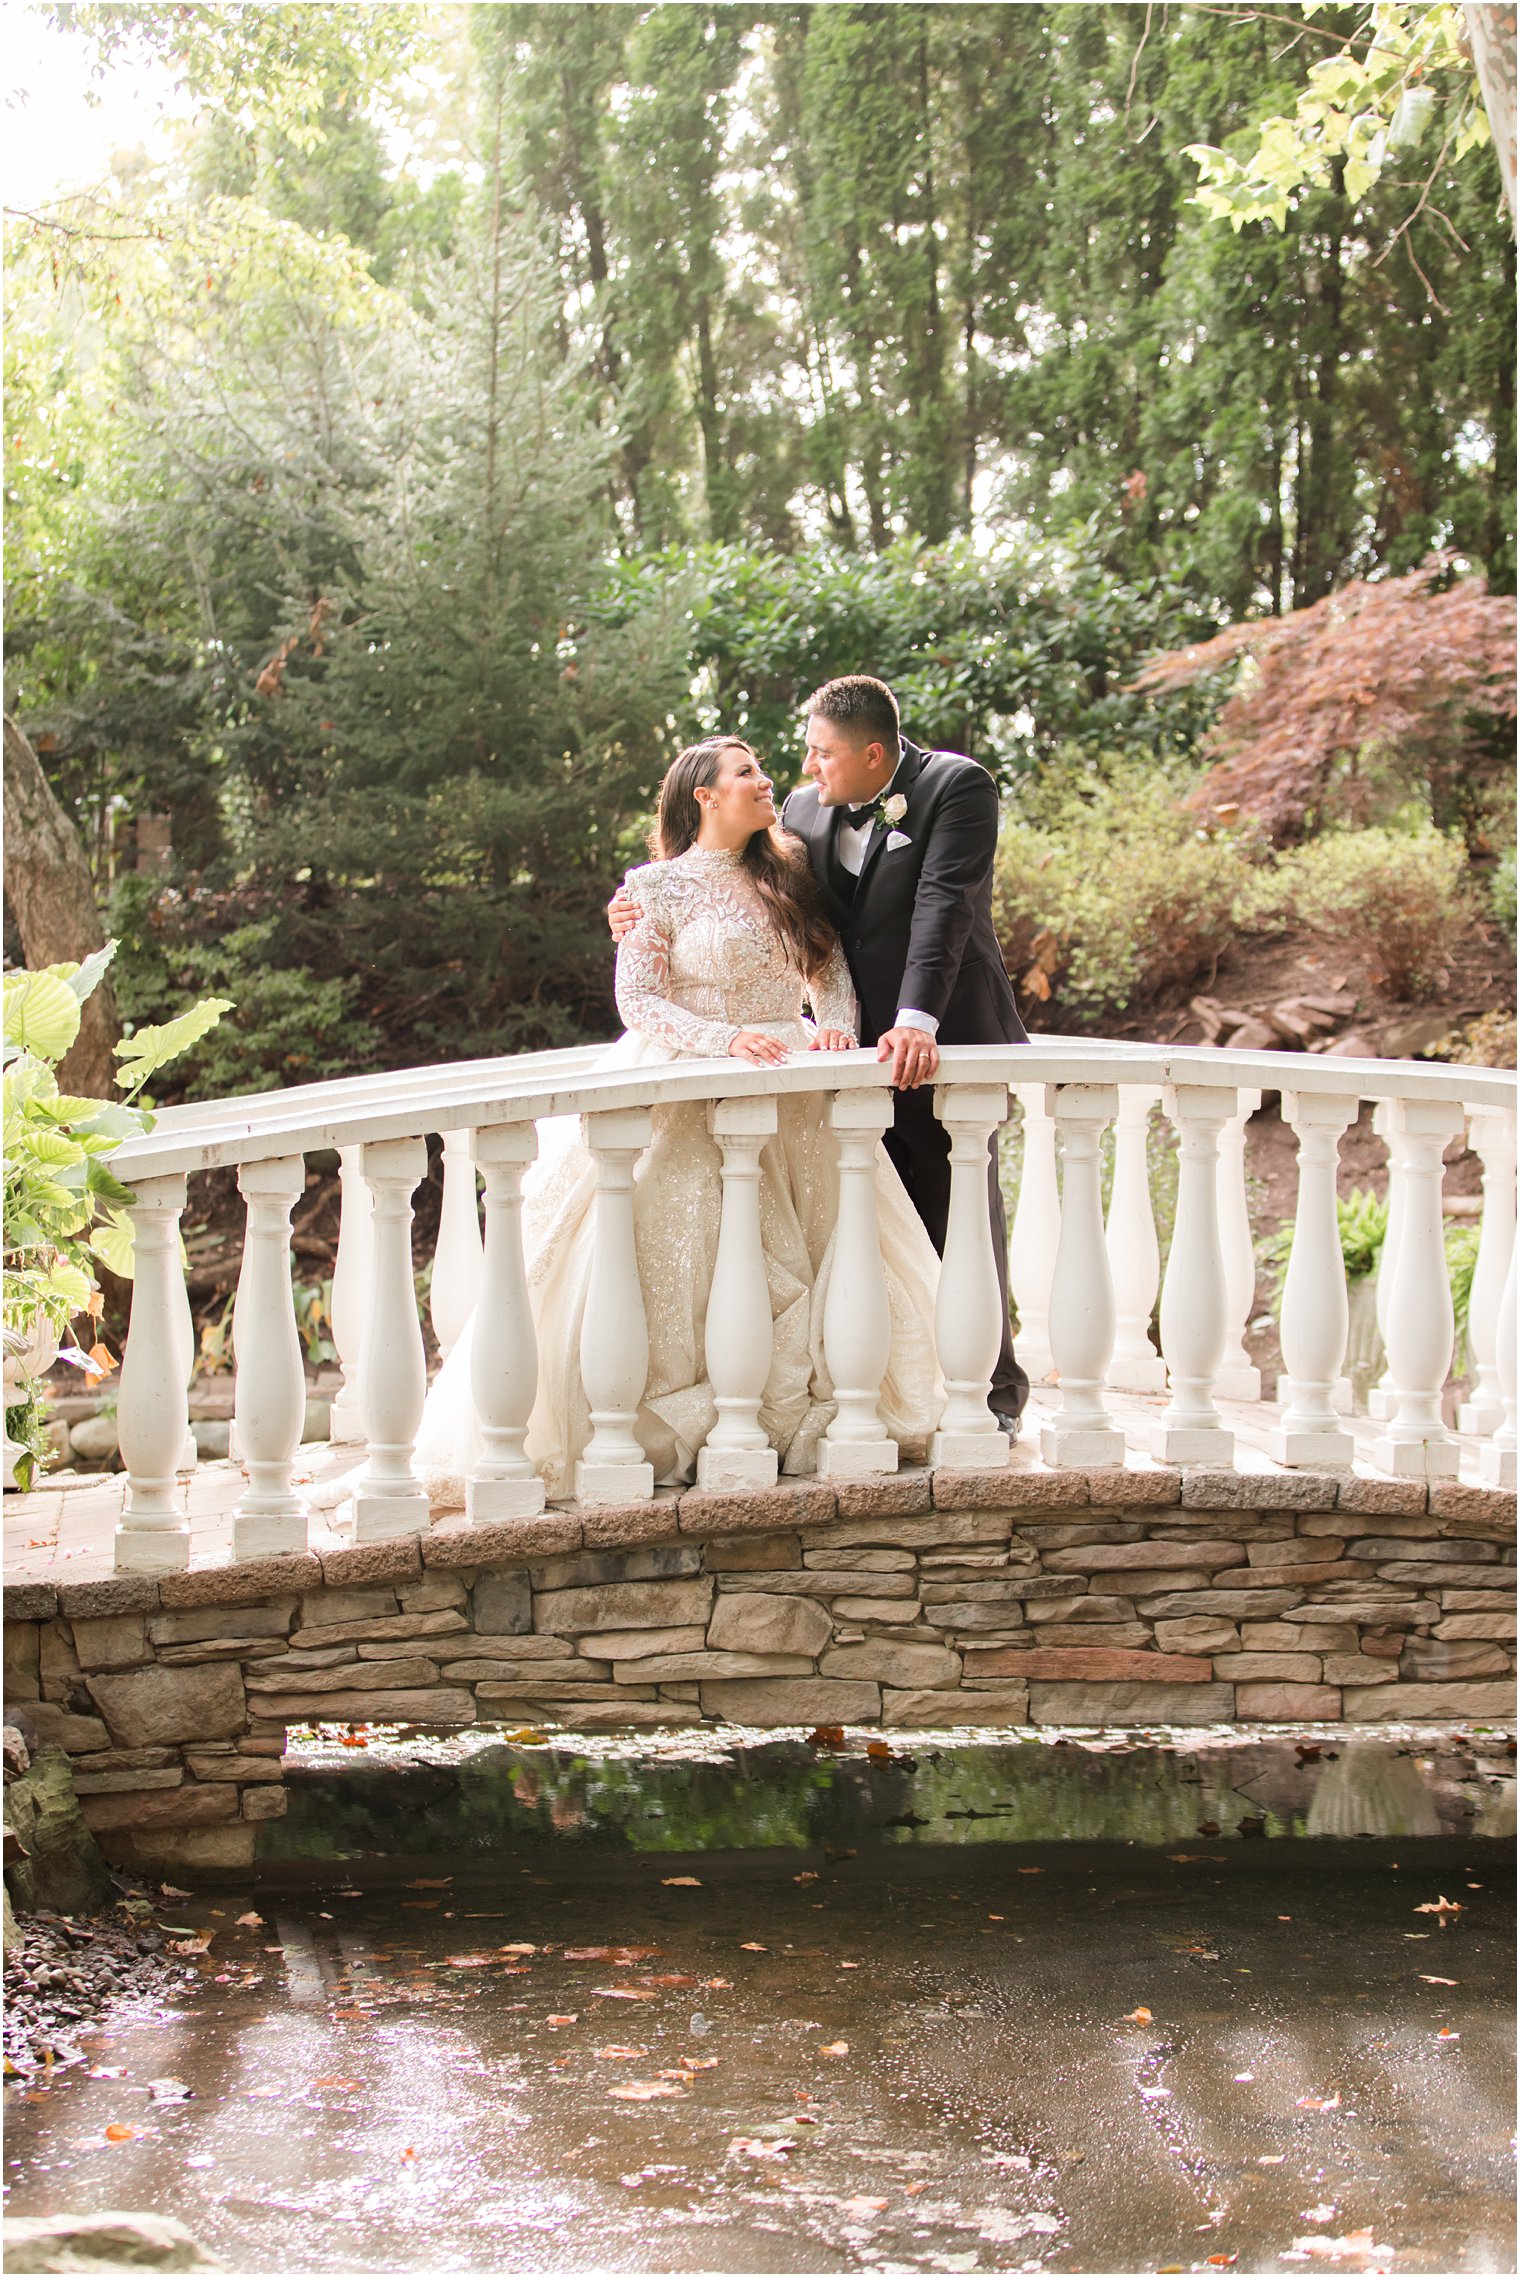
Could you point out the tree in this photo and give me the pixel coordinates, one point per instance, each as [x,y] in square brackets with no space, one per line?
[52,898]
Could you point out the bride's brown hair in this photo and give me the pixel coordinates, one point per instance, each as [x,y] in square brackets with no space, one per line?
[775,861]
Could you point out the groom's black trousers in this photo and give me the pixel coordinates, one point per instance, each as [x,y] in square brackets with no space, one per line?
[919,1146]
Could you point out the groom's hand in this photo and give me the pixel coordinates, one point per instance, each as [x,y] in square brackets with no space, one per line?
[622,913]
[914,1055]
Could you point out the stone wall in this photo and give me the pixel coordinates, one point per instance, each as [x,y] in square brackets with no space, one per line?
[972,1600]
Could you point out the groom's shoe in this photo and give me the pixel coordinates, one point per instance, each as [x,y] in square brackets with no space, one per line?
[1009,1425]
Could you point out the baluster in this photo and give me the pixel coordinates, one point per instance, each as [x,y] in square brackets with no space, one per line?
[1415,1442]
[503,1348]
[1134,1260]
[968,1325]
[353,1276]
[1035,1232]
[1493,1137]
[614,1337]
[1316,1316]
[1194,1307]
[1238,1377]
[1496,1460]
[740,1330]
[190,1453]
[270,1391]
[857,1332]
[153,1411]
[458,1258]
[1082,1295]
[1382,1398]
[388,1498]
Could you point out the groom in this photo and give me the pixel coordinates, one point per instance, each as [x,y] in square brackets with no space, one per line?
[902,842]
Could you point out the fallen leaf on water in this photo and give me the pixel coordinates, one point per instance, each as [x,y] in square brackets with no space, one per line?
[849,1964]
[107,2071]
[826,1735]
[1317,2214]
[700,2063]
[1138,2016]
[804,1877]
[430,1882]
[644,2090]
[667,1980]
[1243,2078]
[1446,2033]
[752,1948]
[866,2205]
[717,1984]
[1156,2094]
[193,1945]
[878,1751]
[419,1904]
[623,1955]
[618,1992]
[470,1960]
[997,1917]
[616,2054]
[1424,1979]
[349,2086]
[750,2146]
[250,1921]
[1223,2260]
[516,1948]
[117,2133]
[575,2019]
[835,2048]
[1356,2246]
[409,2152]
[167,1889]
[350,2015]
[262,2094]
[1185,1857]
[1443,1905]
[679,2072]
[1031,1869]
[169,2091]
[1320,2103]
[679,1882]
[352,1739]
[912,2189]
[1272,2158]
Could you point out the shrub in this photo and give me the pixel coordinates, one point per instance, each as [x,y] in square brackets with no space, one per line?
[1400,895]
[1501,894]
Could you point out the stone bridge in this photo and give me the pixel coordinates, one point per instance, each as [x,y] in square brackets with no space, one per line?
[999,1600]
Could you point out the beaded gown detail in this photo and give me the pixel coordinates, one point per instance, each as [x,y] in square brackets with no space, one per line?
[703,961]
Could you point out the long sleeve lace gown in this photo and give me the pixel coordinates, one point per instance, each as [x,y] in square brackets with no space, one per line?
[702,962]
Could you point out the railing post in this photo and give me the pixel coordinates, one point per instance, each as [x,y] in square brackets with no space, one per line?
[1315,1313]
[353,1276]
[1238,1377]
[153,1412]
[1496,1461]
[190,1453]
[968,1327]
[1134,1260]
[740,1329]
[1382,1399]
[1416,1442]
[387,1498]
[1193,1299]
[1493,1137]
[857,1330]
[1035,1232]
[614,1335]
[1082,1296]
[503,1347]
[269,1396]
[458,1257]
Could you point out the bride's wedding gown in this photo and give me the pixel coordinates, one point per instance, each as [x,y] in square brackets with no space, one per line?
[703,961]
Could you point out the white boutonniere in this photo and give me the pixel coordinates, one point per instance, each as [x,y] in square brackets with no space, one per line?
[893,809]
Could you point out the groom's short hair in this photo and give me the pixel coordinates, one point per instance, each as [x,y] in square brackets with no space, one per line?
[866,706]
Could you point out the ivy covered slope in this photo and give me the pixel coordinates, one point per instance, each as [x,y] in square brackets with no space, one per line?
[64,1207]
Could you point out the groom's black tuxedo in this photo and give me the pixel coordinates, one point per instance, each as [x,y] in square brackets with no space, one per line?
[917,930]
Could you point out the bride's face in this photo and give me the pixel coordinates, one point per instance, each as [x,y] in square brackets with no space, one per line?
[739,800]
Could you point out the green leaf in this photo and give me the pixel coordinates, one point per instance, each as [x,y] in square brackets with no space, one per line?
[144,1053]
[41,1013]
[106,1187]
[53,1147]
[114,1243]
[84,979]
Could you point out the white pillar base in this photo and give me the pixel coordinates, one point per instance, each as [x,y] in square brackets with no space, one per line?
[614,1482]
[1416,1458]
[857,1458]
[190,1454]
[969,1450]
[722,1469]
[1381,1404]
[1140,1376]
[1496,1467]
[345,1422]
[1312,1450]
[163,1550]
[268,1534]
[487,1499]
[1238,1383]
[382,1517]
[1075,1447]
[1192,1443]
[1480,1419]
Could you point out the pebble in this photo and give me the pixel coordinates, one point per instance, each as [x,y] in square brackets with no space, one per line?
[62,1973]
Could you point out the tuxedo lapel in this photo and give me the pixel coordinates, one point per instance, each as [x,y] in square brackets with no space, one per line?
[902,787]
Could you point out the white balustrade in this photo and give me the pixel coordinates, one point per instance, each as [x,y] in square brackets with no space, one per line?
[1035,1233]
[1493,1138]
[1496,1461]
[503,1347]
[271,1381]
[614,1335]
[1082,1296]
[1194,1301]
[968,1313]
[1416,1442]
[459,1256]
[857,1331]
[353,1275]
[1382,1398]
[1238,1377]
[388,1498]
[153,1406]
[1316,1314]
[190,1453]
[1134,1258]
[741,1337]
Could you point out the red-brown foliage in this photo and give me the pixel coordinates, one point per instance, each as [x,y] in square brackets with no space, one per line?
[1400,665]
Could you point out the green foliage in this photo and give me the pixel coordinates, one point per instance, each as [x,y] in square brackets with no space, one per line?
[1362,1219]
[1401,895]
[1501,893]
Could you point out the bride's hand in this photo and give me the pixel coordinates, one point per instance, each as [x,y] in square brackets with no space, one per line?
[759,1049]
[622,913]
[832,1040]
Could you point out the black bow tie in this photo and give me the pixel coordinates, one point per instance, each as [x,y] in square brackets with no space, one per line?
[856,815]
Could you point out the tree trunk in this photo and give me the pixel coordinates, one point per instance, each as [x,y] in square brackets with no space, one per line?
[52,898]
[1491,29]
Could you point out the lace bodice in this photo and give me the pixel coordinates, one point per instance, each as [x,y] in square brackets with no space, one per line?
[704,960]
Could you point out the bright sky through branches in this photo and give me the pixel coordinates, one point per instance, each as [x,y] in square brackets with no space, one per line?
[64,122]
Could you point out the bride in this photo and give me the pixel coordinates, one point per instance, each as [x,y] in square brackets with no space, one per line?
[731,936]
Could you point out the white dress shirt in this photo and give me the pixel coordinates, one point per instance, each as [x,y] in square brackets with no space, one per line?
[851,845]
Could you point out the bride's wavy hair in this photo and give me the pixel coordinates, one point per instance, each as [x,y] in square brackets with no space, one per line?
[776,862]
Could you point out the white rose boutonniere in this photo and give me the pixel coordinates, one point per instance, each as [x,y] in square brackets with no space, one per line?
[893,809]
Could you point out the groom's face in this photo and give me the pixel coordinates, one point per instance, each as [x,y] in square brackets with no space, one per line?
[848,769]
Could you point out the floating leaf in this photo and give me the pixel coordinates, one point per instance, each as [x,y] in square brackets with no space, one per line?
[617,2054]
[835,2048]
[680,1882]
[1442,1906]
[1436,1980]
[1138,2016]
[118,2133]
[571,2019]
[752,1948]
[643,2090]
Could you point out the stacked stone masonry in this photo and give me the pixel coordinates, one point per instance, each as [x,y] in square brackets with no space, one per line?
[928,1600]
